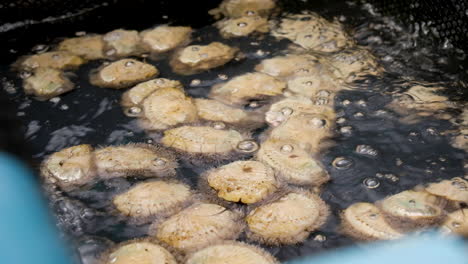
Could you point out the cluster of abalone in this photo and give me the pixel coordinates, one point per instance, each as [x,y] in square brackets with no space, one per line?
[441,204]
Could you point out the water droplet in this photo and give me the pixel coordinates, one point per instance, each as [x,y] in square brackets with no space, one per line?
[195,82]
[110,52]
[250,12]
[260,53]
[129,63]
[55,100]
[341,120]
[320,238]
[317,122]
[366,150]
[342,163]
[358,115]
[345,102]
[287,148]
[241,24]
[159,162]
[134,111]
[247,146]
[254,105]
[41,48]
[361,103]
[222,76]
[287,111]
[346,130]
[219,125]
[371,183]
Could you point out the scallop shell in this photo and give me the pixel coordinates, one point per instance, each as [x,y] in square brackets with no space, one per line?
[122,43]
[242,181]
[353,64]
[455,190]
[456,223]
[202,140]
[123,73]
[247,86]
[138,93]
[198,226]
[138,252]
[198,58]
[213,110]
[290,65]
[231,253]
[242,8]
[365,221]
[314,87]
[167,107]
[62,60]
[47,83]
[70,168]
[293,164]
[89,47]
[411,210]
[243,26]
[292,25]
[288,220]
[165,38]
[134,160]
[151,199]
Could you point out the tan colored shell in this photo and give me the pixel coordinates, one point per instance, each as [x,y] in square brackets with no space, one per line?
[242,8]
[199,58]
[150,199]
[138,93]
[309,130]
[294,164]
[290,65]
[455,189]
[134,160]
[460,141]
[167,107]
[202,139]
[62,60]
[243,26]
[139,252]
[243,181]
[365,221]
[165,38]
[314,86]
[411,210]
[123,73]
[198,226]
[89,47]
[456,223]
[247,86]
[122,43]
[213,110]
[282,110]
[47,83]
[231,253]
[352,64]
[288,220]
[70,168]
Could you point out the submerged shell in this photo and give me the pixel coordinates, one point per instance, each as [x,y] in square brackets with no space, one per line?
[456,223]
[231,253]
[242,8]
[138,93]
[455,189]
[70,167]
[202,139]
[290,65]
[282,110]
[89,47]
[62,60]
[165,38]
[150,199]
[139,252]
[243,181]
[244,26]
[410,210]
[199,58]
[46,83]
[134,160]
[213,110]
[198,226]
[293,164]
[167,107]
[352,64]
[288,220]
[247,86]
[365,221]
[122,43]
[123,73]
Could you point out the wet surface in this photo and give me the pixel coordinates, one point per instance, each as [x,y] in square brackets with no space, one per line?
[379,154]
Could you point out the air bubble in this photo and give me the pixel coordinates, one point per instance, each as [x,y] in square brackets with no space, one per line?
[320,238]
[159,162]
[346,130]
[25,74]
[80,33]
[342,163]
[129,63]
[222,76]
[358,115]
[287,111]
[317,122]
[134,111]
[341,120]
[219,125]
[110,52]
[260,53]
[371,183]
[366,150]
[345,102]
[287,148]
[247,146]
[361,103]
[250,13]
[195,82]
[41,48]
[241,24]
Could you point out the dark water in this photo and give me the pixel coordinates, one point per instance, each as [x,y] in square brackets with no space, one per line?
[405,155]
